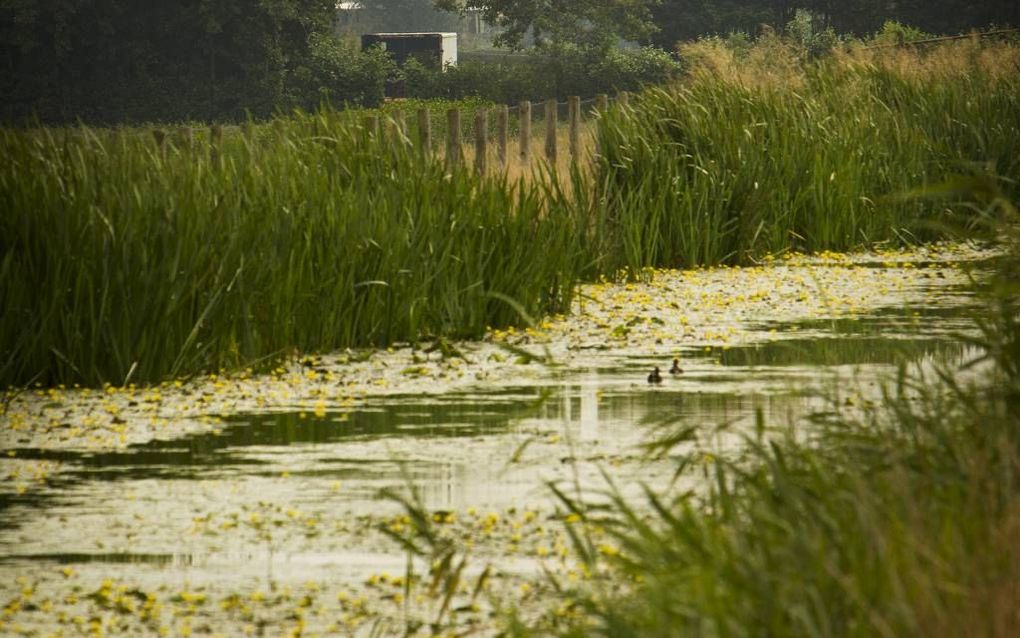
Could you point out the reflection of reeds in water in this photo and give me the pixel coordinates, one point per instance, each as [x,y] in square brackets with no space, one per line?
[828,351]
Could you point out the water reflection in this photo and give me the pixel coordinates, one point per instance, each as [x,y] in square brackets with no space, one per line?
[851,350]
[458,449]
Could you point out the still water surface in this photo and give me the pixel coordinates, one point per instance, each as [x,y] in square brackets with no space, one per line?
[191,509]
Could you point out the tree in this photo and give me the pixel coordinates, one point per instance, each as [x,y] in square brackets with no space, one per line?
[405,15]
[680,20]
[592,25]
[123,60]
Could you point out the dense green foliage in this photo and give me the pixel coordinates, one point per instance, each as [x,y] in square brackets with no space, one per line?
[538,76]
[682,20]
[174,256]
[123,61]
[894,519]
[307,234]
[373,16]
[592,25]
[116,61]
[338,73]
[723,169]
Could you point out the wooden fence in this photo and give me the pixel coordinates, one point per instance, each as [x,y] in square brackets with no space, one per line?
[489,130]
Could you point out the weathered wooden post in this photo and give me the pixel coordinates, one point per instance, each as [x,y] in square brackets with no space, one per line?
[185,137]
[574,113]
[550,130]
[481,140]
[215,141]
[424,131]
[160,137]
[524,130]
[623,99]
[502,117]
[601,102]
[453,148]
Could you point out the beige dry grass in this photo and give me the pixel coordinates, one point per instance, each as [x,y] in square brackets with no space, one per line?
[772,62]
[537,167]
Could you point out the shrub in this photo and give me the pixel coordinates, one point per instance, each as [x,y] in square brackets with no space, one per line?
[537,76]
[893,32]
[339,73]
[805,31]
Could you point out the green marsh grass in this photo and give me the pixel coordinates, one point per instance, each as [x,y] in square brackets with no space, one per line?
[129,255]
[310,234]
[744,160]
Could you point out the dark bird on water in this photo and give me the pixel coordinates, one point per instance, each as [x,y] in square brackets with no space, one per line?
[676,369]
[655,377]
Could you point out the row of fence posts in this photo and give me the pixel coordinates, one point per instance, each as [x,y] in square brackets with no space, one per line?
[454,146]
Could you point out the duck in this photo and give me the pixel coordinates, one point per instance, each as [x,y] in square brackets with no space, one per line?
[655,377]
[676,369]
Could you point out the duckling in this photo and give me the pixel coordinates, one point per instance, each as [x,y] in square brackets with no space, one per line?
[676,369]
[655,377]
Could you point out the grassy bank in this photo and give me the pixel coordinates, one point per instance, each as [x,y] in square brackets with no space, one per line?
[121,260]
[124,259]
[762,152]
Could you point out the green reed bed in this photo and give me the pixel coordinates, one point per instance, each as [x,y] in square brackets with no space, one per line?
[125,257]
[123,260]
[725,169]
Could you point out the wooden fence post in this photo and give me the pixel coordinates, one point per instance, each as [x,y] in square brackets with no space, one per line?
[601,102]
[425,131]
[623,99]
[502,116]
[481,140]
[185,137]
[453,150]
[574,113]
[524,130]
[160,137]
[215,140]
[550,130]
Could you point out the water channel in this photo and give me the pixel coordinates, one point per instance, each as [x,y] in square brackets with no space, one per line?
[286,501]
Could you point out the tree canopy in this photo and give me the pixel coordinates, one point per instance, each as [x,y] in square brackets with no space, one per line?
[130,60]
[405,15]
[680,20]
[190,59]
[589,24]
